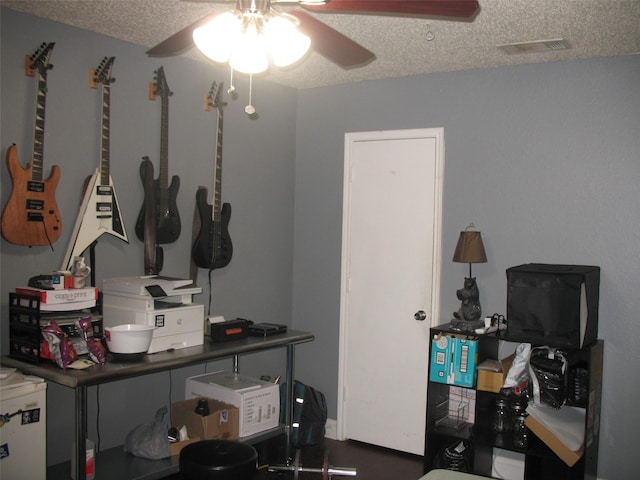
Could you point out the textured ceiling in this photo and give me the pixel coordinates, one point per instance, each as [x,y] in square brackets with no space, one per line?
[403,46]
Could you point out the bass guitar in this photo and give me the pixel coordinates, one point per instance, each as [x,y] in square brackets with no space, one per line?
[167,216]
[153,253]
[212,247]
[99,210]
[31,215]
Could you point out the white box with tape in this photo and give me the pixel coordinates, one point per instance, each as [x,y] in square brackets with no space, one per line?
[257,400]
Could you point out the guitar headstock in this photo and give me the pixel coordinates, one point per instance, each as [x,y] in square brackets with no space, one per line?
[102,74]
[214,98]
[160,86]
[40,60]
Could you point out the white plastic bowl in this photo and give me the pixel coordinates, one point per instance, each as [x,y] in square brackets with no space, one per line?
[129,338]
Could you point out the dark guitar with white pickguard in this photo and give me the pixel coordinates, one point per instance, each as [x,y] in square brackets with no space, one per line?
[99,211]
[167,216]
[212,247]
[31,216]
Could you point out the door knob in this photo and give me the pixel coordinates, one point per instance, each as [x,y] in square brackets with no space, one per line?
[420,315]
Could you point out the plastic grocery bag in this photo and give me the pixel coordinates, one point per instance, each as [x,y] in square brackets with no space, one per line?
[150,440]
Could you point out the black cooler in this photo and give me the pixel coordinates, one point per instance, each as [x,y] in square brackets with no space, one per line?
[554,305]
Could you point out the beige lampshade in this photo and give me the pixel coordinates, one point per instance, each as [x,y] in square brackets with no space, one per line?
[470,248]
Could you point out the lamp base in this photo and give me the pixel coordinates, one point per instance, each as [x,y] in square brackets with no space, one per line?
[469,316]
[466,325]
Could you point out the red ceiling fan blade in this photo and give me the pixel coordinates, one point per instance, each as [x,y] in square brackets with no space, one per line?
[439,8]
[178,42]
[331,44]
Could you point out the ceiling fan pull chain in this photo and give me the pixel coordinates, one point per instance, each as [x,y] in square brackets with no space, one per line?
[231,90]
[250,109]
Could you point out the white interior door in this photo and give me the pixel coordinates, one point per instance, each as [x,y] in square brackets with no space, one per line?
[390,271]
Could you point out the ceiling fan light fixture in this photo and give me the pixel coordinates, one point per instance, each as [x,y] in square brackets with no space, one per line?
[250,37]
[249,54]
[285,43]
[217,38]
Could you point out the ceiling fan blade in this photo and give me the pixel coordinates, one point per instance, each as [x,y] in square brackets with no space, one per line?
[178,42]
[331,44]
[439,8]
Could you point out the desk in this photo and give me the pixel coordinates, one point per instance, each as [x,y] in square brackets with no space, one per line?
[112,371]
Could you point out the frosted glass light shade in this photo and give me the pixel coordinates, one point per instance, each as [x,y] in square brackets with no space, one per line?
[248,42]
[249,54]
[216,38]
[285,43]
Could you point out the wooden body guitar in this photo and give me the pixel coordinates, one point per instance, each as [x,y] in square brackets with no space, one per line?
[31,216]
[99,211]
[212,247]
[167,217]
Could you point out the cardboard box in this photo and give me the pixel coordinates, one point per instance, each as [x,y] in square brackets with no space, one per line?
[568,456]
[221,423]
[453,360]
[258,402]
[492,374]
[440,358]
[67,296]
[177,447]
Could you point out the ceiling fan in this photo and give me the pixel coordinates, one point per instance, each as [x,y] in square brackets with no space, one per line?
[328,42]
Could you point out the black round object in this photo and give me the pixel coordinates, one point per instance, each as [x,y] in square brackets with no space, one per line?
[218,460]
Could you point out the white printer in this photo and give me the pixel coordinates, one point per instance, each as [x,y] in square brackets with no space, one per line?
[164,302]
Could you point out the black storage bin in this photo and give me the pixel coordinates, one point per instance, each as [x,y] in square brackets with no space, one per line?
[546,304]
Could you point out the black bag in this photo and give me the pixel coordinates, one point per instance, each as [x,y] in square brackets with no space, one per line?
[548,372]
[309,414]
[456,457]
[554,305]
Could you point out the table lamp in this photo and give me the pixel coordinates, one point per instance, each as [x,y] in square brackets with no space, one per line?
[469,250]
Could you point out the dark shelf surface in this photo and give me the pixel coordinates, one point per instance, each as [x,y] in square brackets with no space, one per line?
[116,370]
[115,463]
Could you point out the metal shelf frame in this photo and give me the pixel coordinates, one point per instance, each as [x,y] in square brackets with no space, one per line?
[113,371]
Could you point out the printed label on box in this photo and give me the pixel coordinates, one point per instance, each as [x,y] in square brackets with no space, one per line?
[453,360]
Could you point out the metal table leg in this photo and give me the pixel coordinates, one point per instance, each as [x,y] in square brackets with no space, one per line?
[236,364]
[288,404]
[81,432]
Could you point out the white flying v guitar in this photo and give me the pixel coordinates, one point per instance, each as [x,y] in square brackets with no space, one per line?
[99,210]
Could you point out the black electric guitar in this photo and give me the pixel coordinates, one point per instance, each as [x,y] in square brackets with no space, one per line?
[212,247]
[99,210]
[167,216]
[31,215]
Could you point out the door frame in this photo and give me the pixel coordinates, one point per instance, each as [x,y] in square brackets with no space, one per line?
[434,315]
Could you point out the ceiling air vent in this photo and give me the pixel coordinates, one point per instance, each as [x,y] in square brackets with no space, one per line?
[536,46]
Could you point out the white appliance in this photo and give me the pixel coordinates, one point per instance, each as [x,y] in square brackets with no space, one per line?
[163,302]
[23,438]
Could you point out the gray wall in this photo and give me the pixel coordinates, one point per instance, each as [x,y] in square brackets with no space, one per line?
[544,159]
[257,179]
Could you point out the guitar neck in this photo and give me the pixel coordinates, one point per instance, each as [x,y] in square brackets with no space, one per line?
[217,173]
[105,135]
[38,135]
[164,144]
